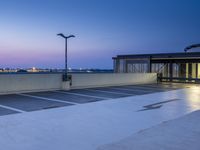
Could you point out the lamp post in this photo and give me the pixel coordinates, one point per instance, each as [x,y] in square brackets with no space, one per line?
[66,38]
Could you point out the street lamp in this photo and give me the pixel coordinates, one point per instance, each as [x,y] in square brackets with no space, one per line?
[65,37]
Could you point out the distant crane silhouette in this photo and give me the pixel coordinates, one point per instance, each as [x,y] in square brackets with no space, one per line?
[191,46]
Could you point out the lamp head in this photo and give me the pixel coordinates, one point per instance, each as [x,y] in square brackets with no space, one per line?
[62,35]
[71,36]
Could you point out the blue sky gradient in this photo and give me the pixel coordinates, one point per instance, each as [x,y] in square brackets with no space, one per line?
[103,29]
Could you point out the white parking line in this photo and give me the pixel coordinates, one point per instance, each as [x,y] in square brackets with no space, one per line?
[85,95]
[11,108]
[110,92]
[49,99]
[144,87]
[128,89]
[157,86]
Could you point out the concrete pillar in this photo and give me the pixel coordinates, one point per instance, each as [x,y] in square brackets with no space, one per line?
[66,85]
[196,70]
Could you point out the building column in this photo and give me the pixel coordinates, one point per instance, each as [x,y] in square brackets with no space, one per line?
[115,65]
[196,70]
[170,71]
[149,65]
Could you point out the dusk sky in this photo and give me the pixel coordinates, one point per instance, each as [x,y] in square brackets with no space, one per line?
[103,29]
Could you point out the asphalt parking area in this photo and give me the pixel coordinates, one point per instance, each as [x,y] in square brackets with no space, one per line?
[26,102]
[22,103]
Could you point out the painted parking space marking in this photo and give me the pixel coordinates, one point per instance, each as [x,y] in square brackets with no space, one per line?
[109,95]
[158,86]
[13,109]
[124,91]
[146,88]
[49,99]
[11,104]
[78,94]
[4,111]
[119,93]
[66,97]
[28,104]
[100,94]
[131,89]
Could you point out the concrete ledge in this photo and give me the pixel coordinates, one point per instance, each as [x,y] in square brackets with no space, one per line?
[17,83]
[111,79]
[179,134]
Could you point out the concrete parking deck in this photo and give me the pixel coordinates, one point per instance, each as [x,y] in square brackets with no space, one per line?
[18,103]
[83,120]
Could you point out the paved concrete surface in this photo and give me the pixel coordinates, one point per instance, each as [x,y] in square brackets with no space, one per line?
[90,125]
[16,103]
[179,134]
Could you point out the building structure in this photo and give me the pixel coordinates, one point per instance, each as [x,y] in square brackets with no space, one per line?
[184,67]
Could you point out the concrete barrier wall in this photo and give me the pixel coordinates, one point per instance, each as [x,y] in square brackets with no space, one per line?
[111,79]
[17,83]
